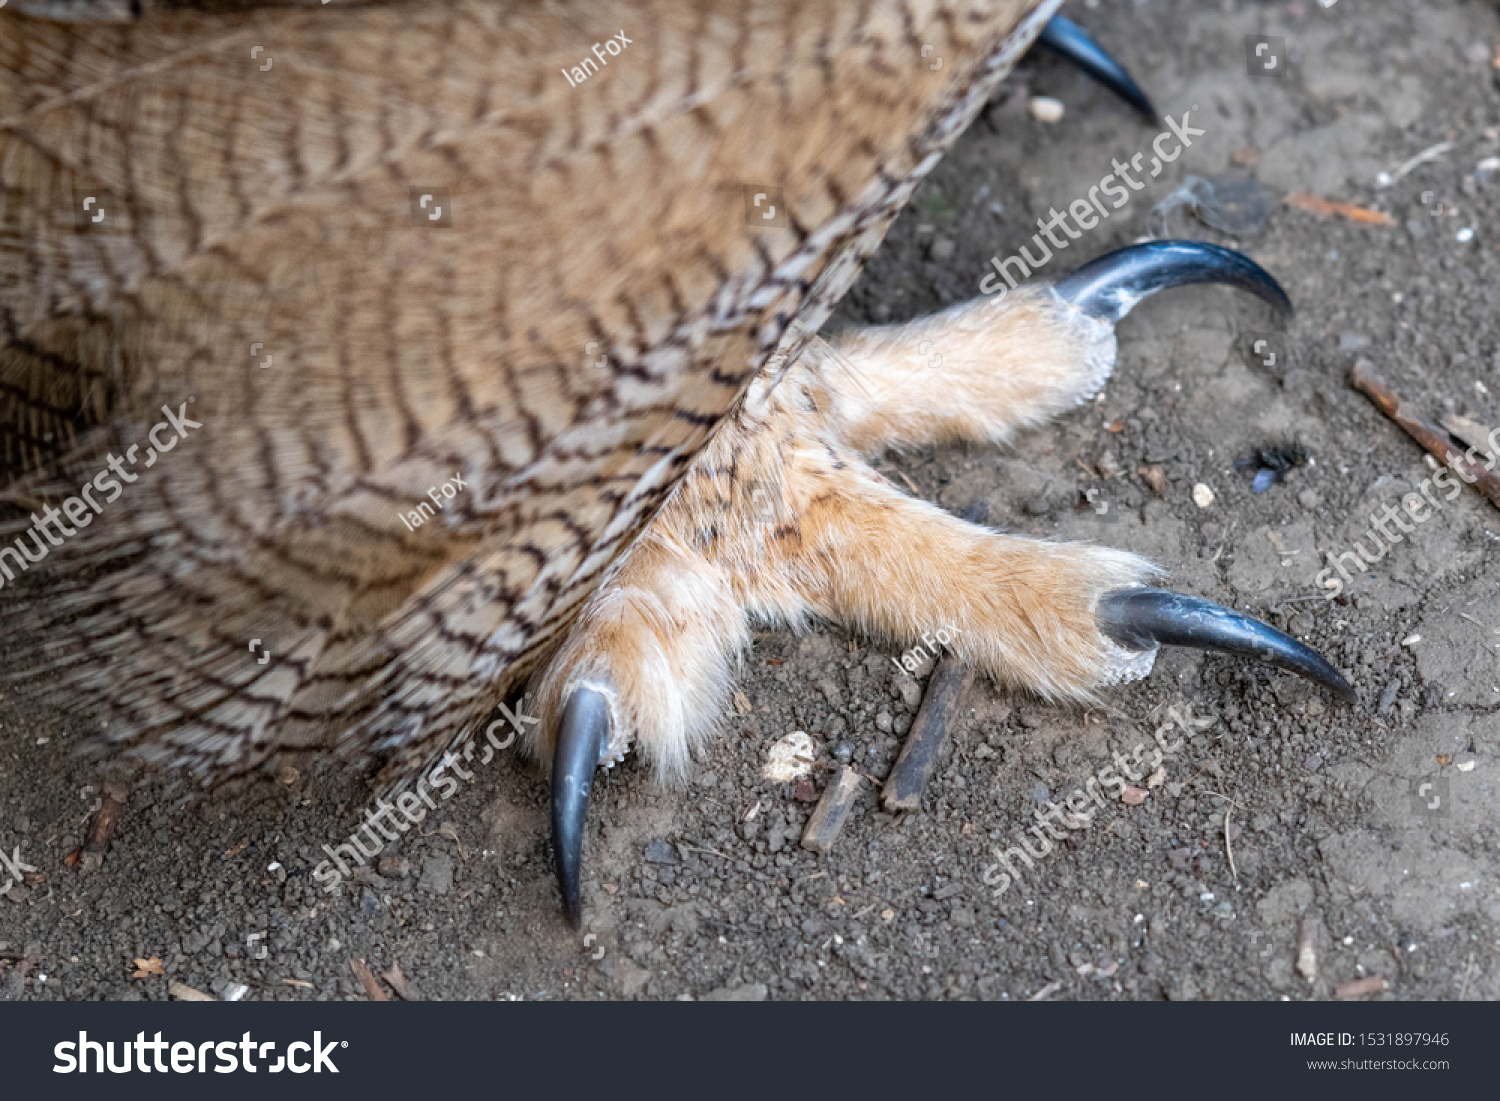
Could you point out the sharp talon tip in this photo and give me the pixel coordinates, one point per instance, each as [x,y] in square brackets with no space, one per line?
[582,737]
[1068,40]
[1140,618]
[1110,286]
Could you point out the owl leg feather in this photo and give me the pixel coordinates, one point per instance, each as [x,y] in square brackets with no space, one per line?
[647,668]
[986,368]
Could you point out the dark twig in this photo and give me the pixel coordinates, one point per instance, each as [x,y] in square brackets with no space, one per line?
[929,732]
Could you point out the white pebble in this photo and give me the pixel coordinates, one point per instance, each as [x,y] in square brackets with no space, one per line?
[1202,495]
[1466,234]
[1046,109]
[790,758]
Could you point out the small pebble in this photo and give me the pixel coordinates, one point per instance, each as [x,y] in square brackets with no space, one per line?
[393,867]
[660,852]
[1202,495]
[1388,697]
[790,758]
[437,874]
[1046,109]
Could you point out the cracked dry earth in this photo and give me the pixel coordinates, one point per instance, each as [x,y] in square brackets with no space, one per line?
[705,892]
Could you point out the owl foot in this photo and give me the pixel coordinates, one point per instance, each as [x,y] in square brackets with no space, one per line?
[780,519]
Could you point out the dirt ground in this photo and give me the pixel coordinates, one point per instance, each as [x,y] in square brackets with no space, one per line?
[704,892]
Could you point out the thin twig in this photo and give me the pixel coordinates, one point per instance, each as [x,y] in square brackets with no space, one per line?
[1228,845]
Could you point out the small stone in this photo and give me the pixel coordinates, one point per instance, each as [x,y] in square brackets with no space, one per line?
[843,753]
[1046,109]
[1133,796]
[1202,495]
[1388,697]
[394,867]
[790,758]
[941,248]
[437,874]
[660,852]
[1307,949]
[911,692]
[1155,477]
[288,775]
[883,722]
[1309,499]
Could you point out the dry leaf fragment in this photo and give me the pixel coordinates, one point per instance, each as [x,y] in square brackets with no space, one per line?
[1133,796]
[1327,208]
[148,967]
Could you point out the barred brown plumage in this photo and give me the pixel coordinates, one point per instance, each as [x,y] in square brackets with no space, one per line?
[266,200]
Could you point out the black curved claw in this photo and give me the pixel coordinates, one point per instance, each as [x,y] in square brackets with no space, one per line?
[581,740]
[1069,40]
[1141,618]
[1110,286]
